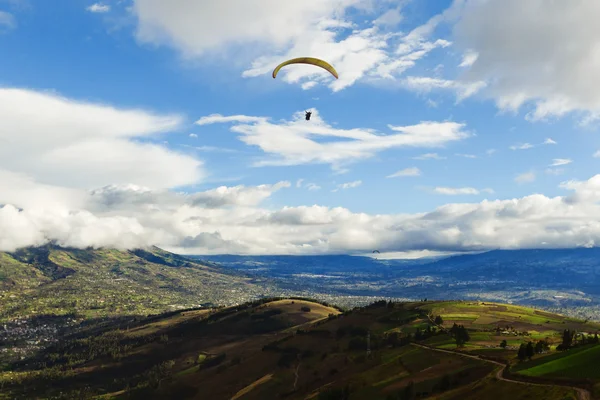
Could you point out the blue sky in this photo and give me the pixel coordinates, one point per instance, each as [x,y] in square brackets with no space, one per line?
[489,120]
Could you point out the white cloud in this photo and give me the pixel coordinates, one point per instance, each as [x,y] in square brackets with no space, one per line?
[597,154]
[549,141]
[429,156]
[193,135]
[547,58]
[523,146]
[560,161]
[466,155]
[309,185]
[98,8]
[413,171]
[270,31]
[7,21]
[469,59]
[525,177]
[349,185]
[231,220]
[292,143]
[65,142]
[456,191]
[489,152]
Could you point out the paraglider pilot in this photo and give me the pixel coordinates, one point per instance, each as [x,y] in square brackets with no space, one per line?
[308,114]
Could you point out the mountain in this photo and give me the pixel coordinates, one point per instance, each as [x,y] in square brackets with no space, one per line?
[564,280]
[71,285]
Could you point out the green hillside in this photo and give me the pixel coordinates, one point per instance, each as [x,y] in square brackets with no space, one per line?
[99,283]
[293,349]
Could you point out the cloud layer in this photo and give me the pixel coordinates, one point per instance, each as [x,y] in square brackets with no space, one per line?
[233,220]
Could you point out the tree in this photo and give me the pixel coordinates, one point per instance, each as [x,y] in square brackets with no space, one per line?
[567,339]
[540,346]
[529,350]
[460,333]
[439,320]
[522,354]
[503,344]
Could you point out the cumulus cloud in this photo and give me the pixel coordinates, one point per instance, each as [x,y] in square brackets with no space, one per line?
[271,31]
[232,220]
[193,135]
[560,161]
[98,8]
[413,171]
[597,154]
[546,58]
[525,177]
[549,141]
[294,142]
[60,141]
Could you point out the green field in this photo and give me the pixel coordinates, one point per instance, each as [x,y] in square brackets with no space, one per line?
[575,363]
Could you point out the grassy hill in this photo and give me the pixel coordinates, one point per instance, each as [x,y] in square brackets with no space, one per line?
[48,290]
[294,349]
[103,282]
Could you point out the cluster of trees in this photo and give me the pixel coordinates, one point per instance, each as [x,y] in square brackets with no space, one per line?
[460,334]
[425,333]
[526,351]
[572,338]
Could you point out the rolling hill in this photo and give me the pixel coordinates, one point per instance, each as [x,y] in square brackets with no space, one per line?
[48,290]
[299,349]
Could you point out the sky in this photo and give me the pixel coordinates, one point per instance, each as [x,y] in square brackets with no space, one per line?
[455,125]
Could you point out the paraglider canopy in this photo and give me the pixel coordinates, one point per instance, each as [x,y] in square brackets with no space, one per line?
[376,251]
[307,60]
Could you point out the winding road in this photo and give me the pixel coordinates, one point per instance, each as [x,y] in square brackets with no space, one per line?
[582,394]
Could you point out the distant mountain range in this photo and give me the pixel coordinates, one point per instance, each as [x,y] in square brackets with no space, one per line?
[552,278]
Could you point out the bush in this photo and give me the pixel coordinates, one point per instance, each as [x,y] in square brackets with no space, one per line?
[305,309]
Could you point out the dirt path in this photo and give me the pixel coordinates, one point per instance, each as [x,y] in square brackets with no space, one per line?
[582,394]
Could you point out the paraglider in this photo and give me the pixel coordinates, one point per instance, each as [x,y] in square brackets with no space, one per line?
[311,61]
[376,251]
[307,60]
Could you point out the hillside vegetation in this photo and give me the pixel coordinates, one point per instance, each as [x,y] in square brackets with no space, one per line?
[296,349]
